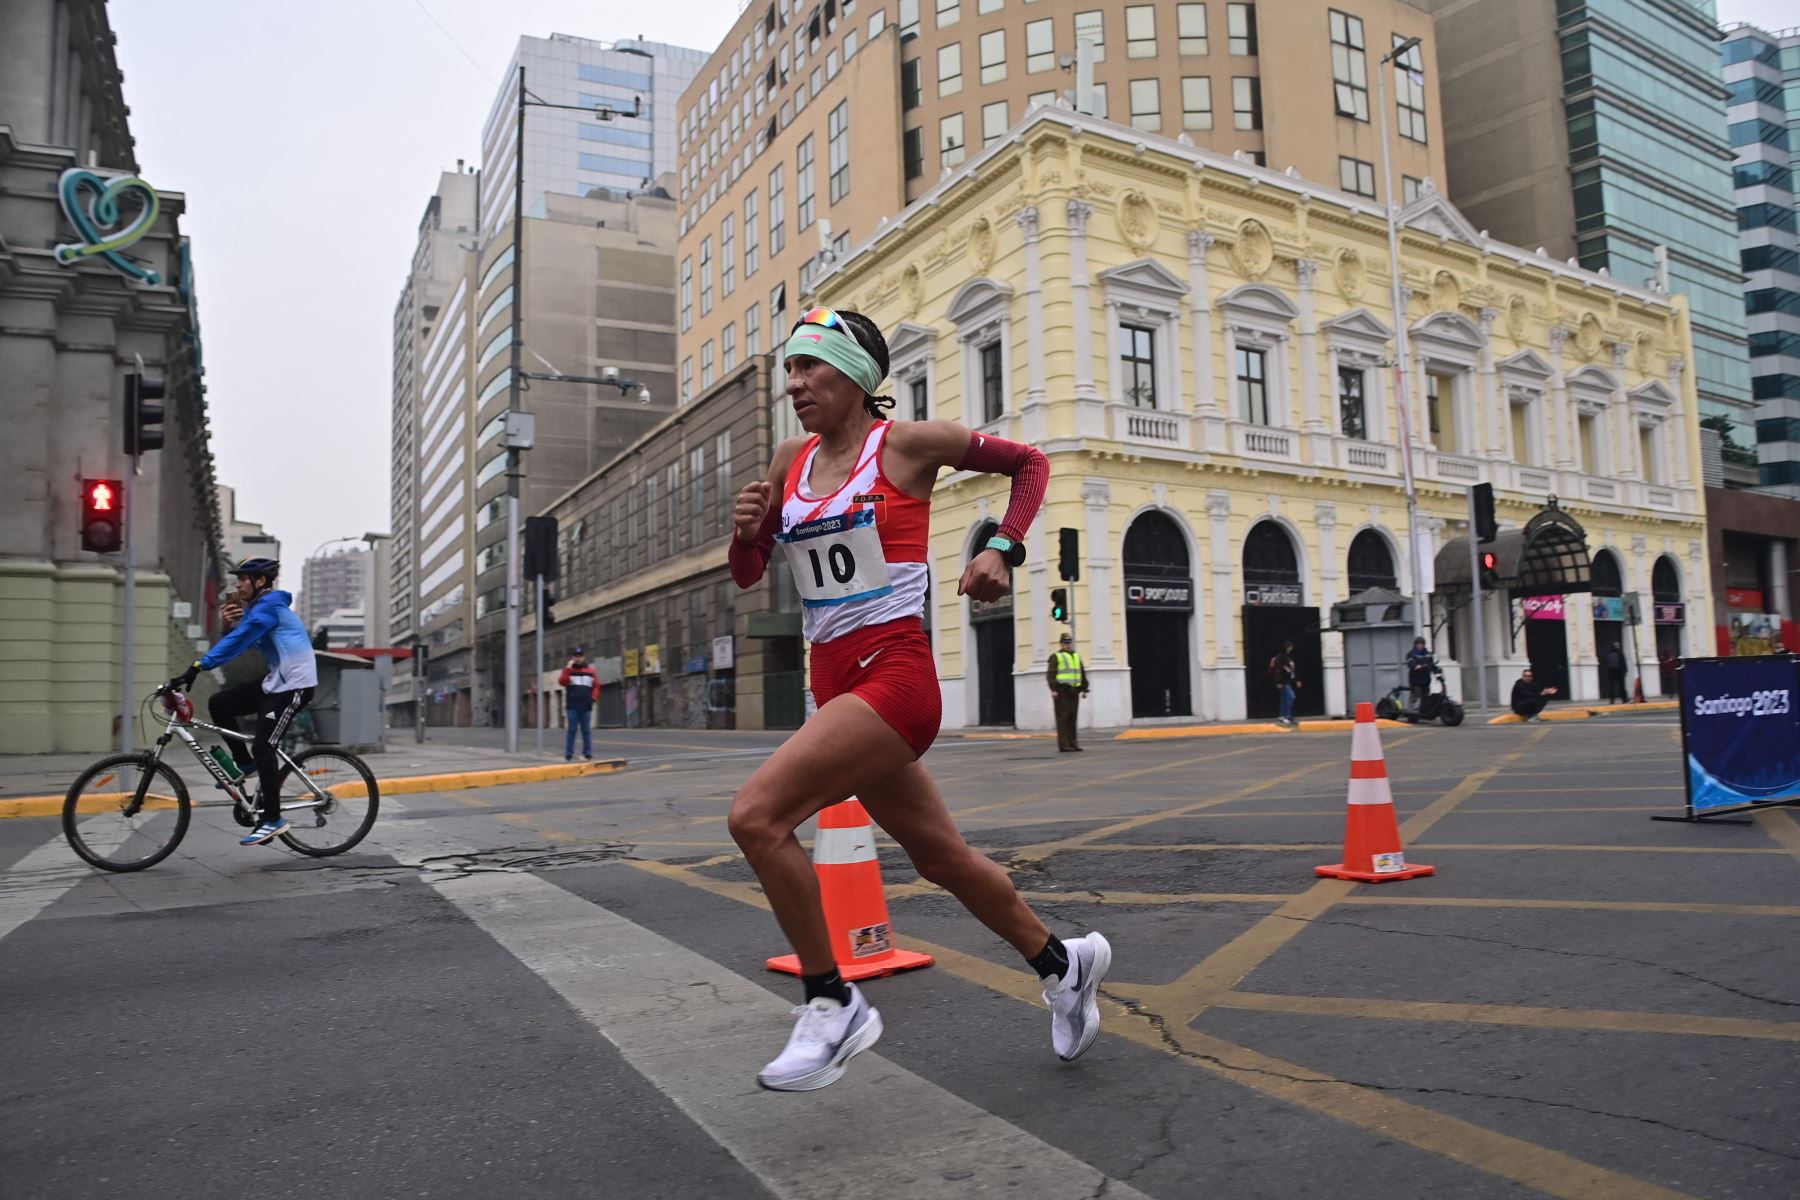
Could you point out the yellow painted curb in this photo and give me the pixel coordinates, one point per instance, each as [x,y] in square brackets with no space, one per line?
[1335,725]
[456,781]
[1583,714]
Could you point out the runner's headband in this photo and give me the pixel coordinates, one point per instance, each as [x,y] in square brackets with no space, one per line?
[829,343]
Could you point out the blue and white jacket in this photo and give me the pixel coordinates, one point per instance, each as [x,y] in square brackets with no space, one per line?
[271,626]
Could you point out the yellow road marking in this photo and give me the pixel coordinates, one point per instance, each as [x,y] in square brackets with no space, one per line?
[1779,824]
[1688,1024]
[1417,843]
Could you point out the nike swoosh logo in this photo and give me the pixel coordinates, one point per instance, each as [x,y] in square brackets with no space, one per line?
[864,662]
[812,337]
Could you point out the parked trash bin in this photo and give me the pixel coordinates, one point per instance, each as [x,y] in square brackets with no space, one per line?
[346,706]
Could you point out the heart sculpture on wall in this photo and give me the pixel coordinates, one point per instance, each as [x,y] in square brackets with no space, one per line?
[95,205]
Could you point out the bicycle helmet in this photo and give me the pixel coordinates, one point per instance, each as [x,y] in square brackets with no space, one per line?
[269,568]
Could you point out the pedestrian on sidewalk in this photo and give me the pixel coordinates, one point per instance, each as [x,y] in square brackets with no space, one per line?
[1612,671]
[1068,684]
[850,505]
[1528,699]
[1287,683]
[581,687]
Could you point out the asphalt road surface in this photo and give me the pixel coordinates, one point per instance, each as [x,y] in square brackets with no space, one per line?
[558,990]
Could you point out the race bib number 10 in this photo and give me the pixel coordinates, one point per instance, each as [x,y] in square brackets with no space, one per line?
[837,559]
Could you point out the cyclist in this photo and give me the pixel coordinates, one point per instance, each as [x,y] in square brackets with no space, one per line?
[851,506]
[268,623]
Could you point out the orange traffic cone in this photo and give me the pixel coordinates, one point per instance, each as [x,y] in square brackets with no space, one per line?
[862,940]
[1372,852]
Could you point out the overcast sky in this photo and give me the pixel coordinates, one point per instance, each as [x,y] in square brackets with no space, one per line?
[307,139]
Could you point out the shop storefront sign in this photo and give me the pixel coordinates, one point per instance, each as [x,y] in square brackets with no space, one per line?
[631,664]
[1542,608]
[651,660]
[1671,614]
[1609,608]
[724,653]
[1272,593]
[1746,598]
[696,665]
[1164,595]
[108,213]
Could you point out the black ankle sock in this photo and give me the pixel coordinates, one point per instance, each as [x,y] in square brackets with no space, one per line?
[1051,960]
[830,985]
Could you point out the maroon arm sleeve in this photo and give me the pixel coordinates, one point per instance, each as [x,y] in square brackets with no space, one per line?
[750,559]
[1030,472]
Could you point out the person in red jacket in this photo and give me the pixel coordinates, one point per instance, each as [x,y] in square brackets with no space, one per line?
[581,687]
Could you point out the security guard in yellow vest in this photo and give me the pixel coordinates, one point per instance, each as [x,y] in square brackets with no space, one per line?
[1068,683]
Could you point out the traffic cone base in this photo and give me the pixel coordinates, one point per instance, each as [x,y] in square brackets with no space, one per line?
[1372,850]
[1405,872]
[862,937]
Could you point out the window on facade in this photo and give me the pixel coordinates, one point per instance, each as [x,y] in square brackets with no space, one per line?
[1100,101]
[728,254]
[993,56]
[921,407]
[753,330]
[1039,100]
[838,150]
[805,197]
[706,364]
[687,378]
[1240,29]
[777,209]
[910,89]
[993,122]
[1349,66]
[913,145]
[1190,27]
[949,12]
[1353,419]
[1440,411]
[1524,446]
[1140,31]
[1253,384]
[687,293]
[988,6]
[728,347]
[909,19]
[1409,91]
[1196,102]
[1146,105]
[1589,444]
[671,498]
[951,147]
[1648,455]
[1040,46]
[1091,26]
[993,394]
[950,69]
[1355,175]
[706,276]
[1409,188]
[1137,362]
[751,234]
[1246,102]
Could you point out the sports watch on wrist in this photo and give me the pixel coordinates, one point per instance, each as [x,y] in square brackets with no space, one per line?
[1013,552]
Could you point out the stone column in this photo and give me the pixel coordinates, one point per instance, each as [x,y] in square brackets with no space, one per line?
[1678,425]
[1624,432]
[1779,595]
[1493,414]
[1035,413]
[1228,671]
[1097,569]
[1211,419]
[1564,458]
[1331,590]
[1090,409]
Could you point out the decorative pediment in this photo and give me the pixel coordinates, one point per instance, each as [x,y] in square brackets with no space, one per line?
[1259,302]
[1145,275]
[978,300]
[1433,213]
[1527,367]
[1357,325]
[908,340]
[1652,399]
[1591,379]
[1446,329]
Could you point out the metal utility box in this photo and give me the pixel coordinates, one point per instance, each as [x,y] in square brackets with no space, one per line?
[1377,626]
[346,706]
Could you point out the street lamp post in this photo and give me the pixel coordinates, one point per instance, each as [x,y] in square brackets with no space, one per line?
[1402,399]
[514,464]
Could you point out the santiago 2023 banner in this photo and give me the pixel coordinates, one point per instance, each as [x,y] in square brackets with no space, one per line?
[1740,719]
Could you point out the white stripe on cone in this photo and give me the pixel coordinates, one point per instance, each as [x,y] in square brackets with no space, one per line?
[1365,743]
[1371,791]
[836,847]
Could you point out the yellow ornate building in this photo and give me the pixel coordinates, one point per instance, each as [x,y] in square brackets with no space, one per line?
[1204,349]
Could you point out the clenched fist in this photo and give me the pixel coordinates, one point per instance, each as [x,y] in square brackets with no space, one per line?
[752,506]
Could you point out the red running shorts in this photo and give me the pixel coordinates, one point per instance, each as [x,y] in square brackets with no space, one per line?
[889,666]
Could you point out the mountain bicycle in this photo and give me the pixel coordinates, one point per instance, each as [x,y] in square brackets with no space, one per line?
[130,811]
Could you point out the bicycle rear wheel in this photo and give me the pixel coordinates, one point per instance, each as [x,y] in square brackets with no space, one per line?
[344,817]
[110,829]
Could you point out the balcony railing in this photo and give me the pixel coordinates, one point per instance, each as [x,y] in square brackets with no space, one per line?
[1148,426]
[1452,468]
[1264,441]
[1372,457]
[1601,489]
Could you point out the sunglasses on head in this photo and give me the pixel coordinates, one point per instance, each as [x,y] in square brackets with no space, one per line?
[824,317]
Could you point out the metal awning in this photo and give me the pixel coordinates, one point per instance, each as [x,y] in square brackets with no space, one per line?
[1548,557]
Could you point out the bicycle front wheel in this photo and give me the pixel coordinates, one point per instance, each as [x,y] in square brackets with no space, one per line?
[126,812]
[329,797]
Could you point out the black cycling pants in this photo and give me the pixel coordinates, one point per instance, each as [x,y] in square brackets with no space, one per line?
[275,711]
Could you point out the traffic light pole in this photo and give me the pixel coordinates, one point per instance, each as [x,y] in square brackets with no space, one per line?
[542,704]
[1479,618]
[130,639]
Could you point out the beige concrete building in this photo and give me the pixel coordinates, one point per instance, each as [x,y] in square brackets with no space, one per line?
[1203,348]
[770,187]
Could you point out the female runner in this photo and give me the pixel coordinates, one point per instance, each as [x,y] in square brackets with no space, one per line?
[850,506]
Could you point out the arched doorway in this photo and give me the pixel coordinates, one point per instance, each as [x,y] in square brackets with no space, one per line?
[1609,626]
[1159,606]
[992,623]
[1371,563]
[1670,617]
[1275,612]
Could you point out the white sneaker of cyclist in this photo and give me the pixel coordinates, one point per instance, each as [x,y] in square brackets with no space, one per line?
[826,1037]
[1074,1011]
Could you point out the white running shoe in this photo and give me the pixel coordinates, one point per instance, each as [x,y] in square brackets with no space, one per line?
[825,1038]
[1074,1012]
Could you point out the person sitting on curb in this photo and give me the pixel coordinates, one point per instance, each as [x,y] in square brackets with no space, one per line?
[1528,699]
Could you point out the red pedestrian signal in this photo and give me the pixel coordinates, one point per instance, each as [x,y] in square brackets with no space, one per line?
[1490,571]
[102,515]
